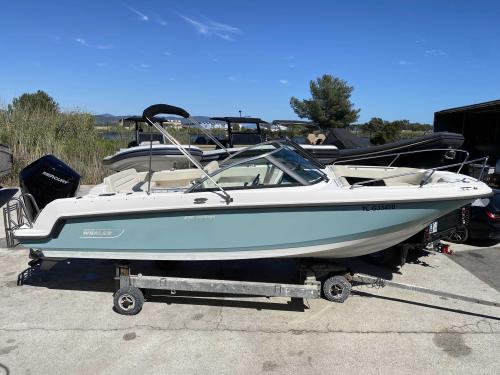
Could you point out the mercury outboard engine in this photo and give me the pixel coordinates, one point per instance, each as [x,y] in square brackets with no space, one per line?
[47,179]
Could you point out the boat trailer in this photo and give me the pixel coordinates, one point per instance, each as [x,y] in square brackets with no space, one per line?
[331,281]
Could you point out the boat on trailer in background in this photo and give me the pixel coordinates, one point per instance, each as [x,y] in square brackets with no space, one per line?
[150,148]
[296,206]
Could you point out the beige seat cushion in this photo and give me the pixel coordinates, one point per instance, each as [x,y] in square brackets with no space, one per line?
[311,138]
[123,181]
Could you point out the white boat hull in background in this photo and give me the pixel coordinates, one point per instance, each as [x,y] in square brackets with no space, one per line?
[163,157]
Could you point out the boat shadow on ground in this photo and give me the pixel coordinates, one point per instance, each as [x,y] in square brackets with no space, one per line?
[98,276]
[426,305]
[483,242]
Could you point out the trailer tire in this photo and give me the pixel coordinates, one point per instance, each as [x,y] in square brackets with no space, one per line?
[128,300]
[336,289]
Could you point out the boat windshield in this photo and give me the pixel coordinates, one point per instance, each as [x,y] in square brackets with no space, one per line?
[270,164]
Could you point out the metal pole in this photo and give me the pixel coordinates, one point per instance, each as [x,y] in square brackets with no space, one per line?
[195,162]
[150,157]
[366,279]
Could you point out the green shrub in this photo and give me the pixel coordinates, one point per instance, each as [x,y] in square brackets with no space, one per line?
[71,137]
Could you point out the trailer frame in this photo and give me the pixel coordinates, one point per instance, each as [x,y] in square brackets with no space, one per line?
[333,281]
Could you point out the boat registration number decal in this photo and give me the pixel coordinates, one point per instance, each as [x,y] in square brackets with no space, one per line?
[379,207]
[200,217]
[102,233]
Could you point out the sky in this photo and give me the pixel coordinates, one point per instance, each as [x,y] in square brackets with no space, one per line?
[405,59]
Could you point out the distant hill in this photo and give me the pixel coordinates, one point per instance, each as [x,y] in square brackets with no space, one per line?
[107,118]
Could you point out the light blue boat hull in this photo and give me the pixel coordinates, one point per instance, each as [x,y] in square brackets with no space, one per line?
[242,233]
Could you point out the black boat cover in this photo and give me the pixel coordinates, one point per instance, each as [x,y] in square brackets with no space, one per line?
[429,141]
[343,138]
[443,140]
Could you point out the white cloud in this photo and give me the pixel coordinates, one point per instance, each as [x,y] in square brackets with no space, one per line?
[144,66]
[141,15]
[161,21]
[104,46]
[224,27]
[83,42]
[167,53]
[200,28]
[291,65]
[224,36]
[209,28]
[231,78]
[435,52]
[284,82]
[405,62]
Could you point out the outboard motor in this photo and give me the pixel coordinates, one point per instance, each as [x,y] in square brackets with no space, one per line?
[47,179]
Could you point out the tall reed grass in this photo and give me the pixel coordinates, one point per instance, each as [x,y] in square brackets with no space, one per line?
[71,137]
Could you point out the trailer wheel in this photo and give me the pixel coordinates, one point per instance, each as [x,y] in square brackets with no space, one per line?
[336,289]
[128,300]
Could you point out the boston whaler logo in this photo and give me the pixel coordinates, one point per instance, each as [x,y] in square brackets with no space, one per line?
[379,207]
[58,179]
[102,233]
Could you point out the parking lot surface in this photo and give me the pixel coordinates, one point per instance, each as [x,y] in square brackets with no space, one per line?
[62,322]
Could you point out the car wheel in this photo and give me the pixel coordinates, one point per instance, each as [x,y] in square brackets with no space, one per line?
[459,236]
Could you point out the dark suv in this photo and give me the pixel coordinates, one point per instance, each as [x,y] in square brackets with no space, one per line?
[485,218]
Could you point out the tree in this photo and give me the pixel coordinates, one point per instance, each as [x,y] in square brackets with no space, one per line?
[38,101]
[330,105]
[382,132]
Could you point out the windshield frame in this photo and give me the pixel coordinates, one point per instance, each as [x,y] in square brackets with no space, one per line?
[302,152]
[269,157]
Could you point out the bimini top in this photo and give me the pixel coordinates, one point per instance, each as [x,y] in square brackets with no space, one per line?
[240,120]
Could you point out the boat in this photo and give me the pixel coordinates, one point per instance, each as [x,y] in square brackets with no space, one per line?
[269,200]
[253,134]
[150,147]
[407,148]
[342,145]
[241,132]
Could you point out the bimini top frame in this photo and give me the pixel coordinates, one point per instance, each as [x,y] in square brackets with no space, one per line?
[149,117]
[242,120]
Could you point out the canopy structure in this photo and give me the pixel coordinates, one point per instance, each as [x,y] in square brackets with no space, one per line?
[240,120]
[243,137]
[479,124]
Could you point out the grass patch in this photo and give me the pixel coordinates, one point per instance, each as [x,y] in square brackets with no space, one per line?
[71,137]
